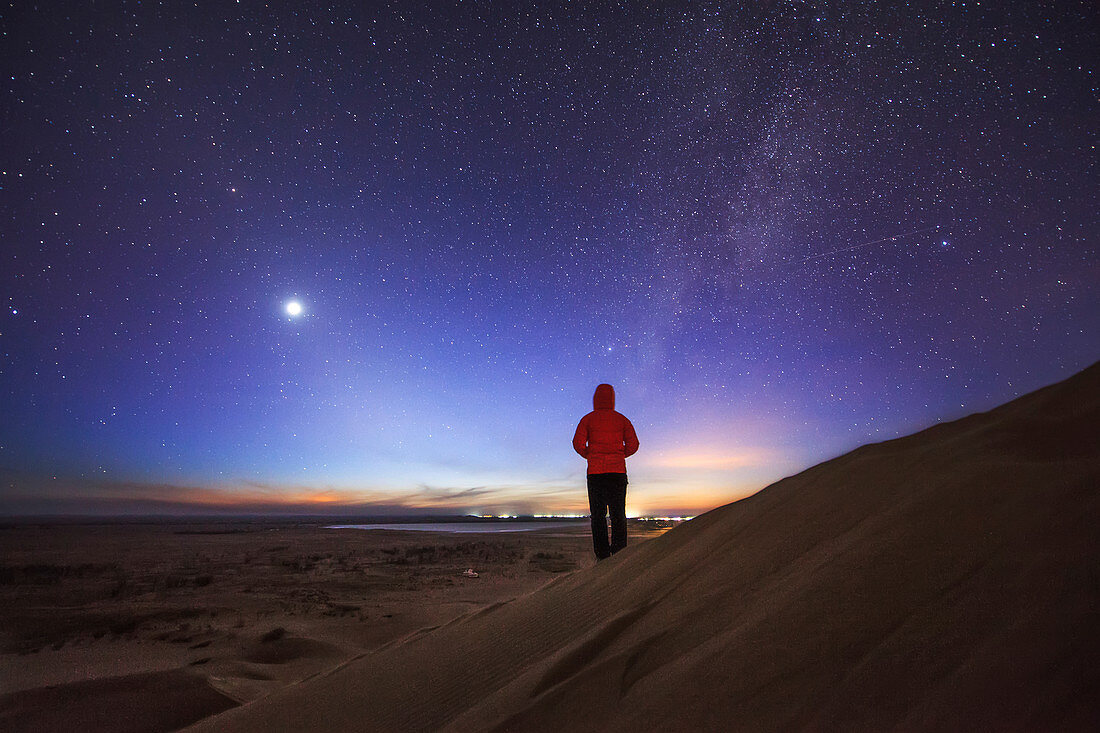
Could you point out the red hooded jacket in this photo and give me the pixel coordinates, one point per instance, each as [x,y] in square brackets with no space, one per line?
[604,436]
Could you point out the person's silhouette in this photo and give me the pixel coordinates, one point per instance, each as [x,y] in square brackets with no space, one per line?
[605,438]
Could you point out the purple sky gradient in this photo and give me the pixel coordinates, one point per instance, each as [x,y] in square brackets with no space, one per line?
[781,230]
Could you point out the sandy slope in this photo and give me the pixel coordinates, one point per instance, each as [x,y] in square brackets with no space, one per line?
[949,580]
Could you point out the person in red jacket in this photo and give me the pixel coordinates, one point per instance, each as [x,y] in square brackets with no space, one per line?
[606,438]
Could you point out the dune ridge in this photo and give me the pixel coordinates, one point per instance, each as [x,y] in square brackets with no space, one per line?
[946,580]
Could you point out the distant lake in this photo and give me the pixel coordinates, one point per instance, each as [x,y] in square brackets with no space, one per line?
[465,527]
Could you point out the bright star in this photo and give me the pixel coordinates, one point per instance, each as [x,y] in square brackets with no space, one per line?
[293,308]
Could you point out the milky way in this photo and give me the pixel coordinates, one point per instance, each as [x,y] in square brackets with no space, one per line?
[780,229]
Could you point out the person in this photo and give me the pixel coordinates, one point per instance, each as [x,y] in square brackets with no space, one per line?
[606,438]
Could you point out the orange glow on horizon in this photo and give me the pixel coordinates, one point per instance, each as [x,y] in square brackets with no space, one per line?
[650,494]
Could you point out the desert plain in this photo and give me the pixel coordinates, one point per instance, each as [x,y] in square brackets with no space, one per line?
[150,625]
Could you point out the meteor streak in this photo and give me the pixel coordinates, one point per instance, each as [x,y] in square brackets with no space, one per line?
[892,238]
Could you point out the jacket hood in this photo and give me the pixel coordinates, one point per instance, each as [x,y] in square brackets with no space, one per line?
[604,399]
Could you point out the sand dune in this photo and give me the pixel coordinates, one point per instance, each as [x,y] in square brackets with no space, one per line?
[943,581]
[114,704]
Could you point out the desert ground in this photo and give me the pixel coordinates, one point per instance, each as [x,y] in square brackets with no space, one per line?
[150,626]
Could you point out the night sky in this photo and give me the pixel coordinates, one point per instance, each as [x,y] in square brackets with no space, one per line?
[780,229]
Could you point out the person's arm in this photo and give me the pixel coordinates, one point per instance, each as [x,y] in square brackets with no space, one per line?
[580,438]
[630,439]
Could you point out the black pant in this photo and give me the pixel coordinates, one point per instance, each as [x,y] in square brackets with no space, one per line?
[607,494]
